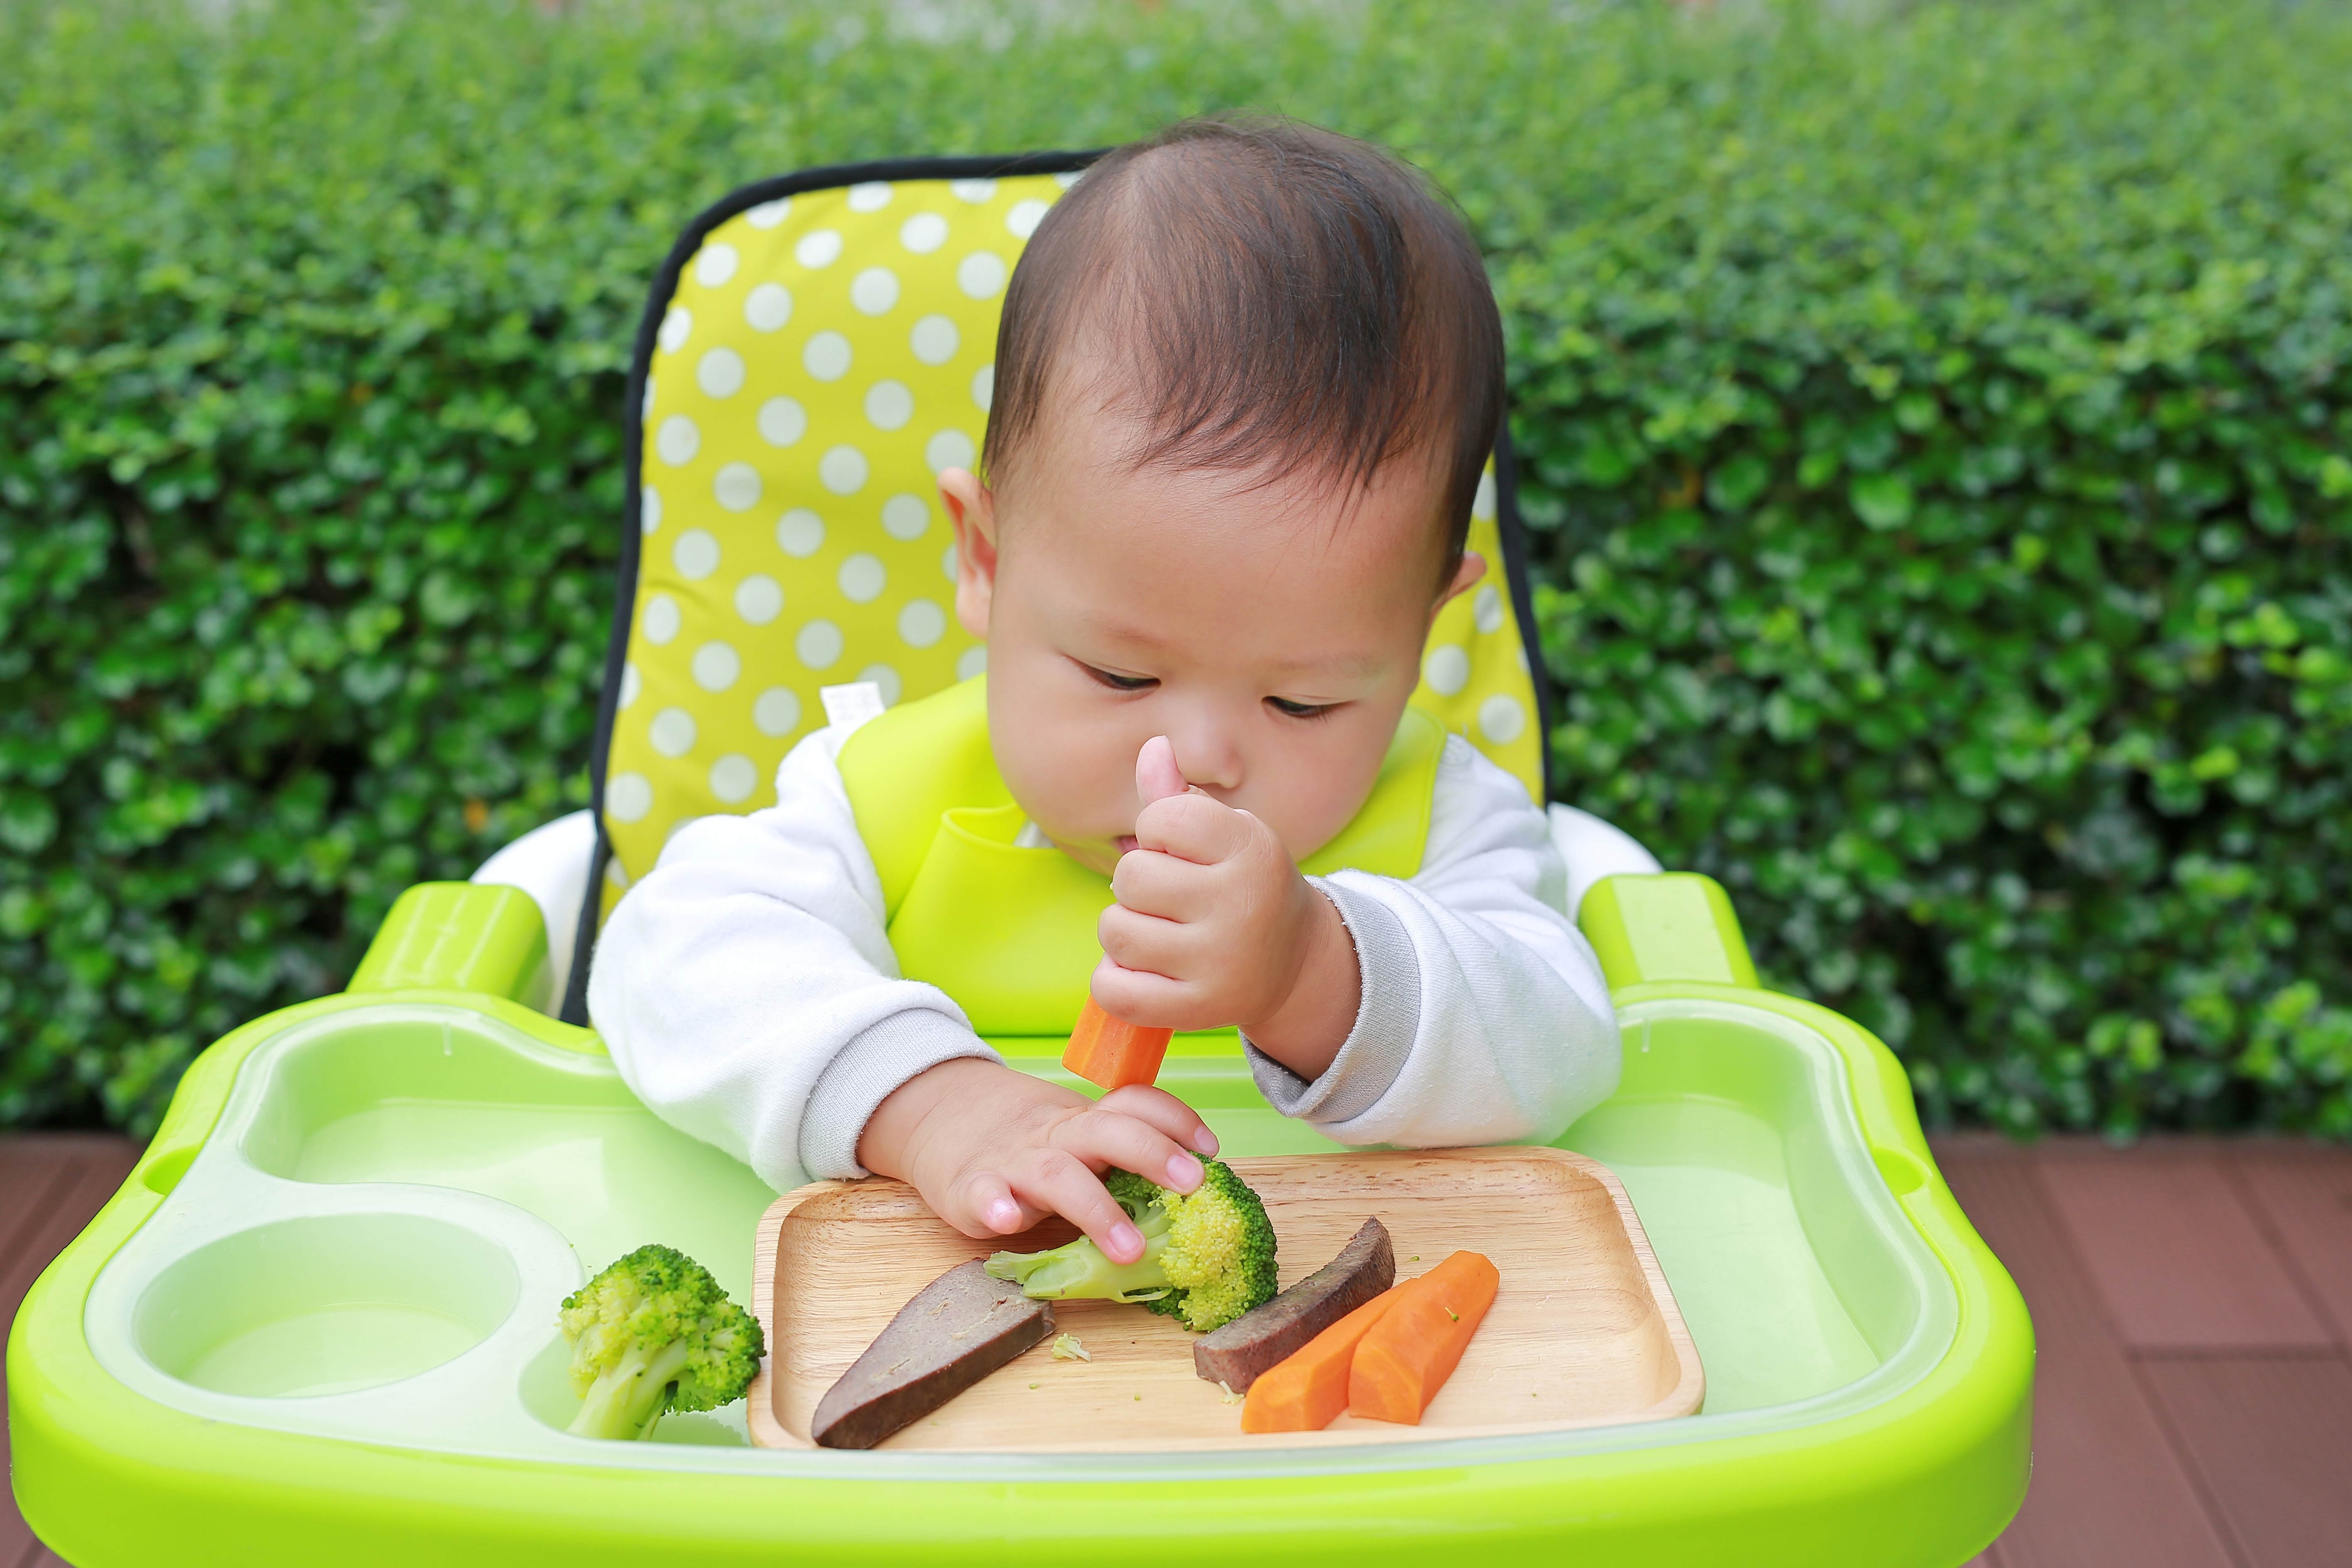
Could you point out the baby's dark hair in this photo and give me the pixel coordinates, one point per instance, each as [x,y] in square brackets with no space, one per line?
[1273,298]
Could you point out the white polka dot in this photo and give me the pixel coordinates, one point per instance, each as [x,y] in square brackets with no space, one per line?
[800,533]
[733,777]
[737,487]
[720,372]
[696,555]
[973,191]
[888,679]
[819,645]
[632,682]
[949,449]
[871,197]
[948,565]
[715,266]
[661,619]
[677,326]
[1500,719]
[649,509]
[1025,217]
[981,275]
[716,666]
[827,356]
[1486,608]
[1069,177]
[627,798]
[768,307]
[861,579]
[921,623]
[842,470]
[1447,669]
[1482,505]
[905,517]
[923,233]
[759,599]
[934,339]
[614,873]
[678,440]
[983,387]
[874,290]
[777,712]
[890,404]
[783,421]
[767,214]
[818,247]
[971,662]
[672,731]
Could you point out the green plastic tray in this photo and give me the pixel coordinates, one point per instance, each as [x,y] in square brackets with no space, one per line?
[318,1322]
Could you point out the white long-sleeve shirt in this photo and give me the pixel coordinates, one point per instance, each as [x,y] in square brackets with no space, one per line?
[748,992]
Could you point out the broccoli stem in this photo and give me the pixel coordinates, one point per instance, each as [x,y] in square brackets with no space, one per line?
[627,1401]
[1079,1271]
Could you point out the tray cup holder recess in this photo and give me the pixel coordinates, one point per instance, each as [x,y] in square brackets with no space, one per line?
[323,1305]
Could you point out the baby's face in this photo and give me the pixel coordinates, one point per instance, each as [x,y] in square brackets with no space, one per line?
[1272,635]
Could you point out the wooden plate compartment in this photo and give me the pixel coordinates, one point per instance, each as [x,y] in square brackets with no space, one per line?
[1584,1331]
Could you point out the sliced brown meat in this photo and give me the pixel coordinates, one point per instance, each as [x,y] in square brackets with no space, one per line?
[1236,1354]
[959,1328]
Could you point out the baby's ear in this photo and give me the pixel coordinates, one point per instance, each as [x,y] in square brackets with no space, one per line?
[971,512]
[1465,577]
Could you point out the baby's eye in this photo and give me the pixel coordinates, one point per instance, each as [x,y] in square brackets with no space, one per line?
[1301,710]
[1119,682]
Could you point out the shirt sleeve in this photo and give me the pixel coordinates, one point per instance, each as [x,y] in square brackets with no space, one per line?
[747,989]
[1485,1018]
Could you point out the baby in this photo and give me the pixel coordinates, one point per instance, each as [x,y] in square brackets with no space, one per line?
[1247,380]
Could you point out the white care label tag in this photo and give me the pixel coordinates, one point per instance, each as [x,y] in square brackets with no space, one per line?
[848,707]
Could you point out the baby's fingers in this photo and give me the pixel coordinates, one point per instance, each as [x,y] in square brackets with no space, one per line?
[1110,1138]
[983,1205]
[1164,1111]
[1058,1182]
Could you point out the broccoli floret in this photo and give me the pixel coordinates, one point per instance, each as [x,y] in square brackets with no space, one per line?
[1208,1256]
[653,1333]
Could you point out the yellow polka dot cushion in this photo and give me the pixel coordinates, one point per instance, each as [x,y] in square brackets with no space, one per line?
[817,348]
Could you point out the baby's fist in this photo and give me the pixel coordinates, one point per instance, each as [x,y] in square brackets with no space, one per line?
[1214,924]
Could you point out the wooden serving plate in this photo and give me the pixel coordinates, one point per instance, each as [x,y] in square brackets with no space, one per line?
[1583,1332]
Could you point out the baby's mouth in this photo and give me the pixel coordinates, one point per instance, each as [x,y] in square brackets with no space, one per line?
[1123,843]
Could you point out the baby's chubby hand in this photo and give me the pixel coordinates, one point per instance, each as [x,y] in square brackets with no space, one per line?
[1214,926]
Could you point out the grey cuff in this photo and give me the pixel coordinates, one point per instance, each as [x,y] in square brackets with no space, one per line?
[1386,1019]
[863,1074]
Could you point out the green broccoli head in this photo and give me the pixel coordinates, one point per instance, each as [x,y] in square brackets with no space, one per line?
[653,1333]
[1208,1256]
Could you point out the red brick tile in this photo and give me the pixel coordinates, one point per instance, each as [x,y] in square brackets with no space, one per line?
[2271,1438]
[2307,1197]
[2107,1490]
[2179,1260]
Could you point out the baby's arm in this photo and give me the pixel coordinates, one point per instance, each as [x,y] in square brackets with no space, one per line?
[1483,1017]
[748,993]
[1460,1007]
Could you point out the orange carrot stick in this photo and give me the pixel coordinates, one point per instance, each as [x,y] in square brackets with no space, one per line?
[1415,1348]
[1305,1390]
[1112,1052]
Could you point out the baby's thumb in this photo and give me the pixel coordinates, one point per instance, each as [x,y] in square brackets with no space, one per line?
[1157,776]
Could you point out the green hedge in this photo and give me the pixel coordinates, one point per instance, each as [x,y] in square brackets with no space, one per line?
[1936,426]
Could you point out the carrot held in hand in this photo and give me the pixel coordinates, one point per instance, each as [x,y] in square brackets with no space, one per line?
[1112,1052]
[1107,1051]
[1415,1348]
[1305,1390]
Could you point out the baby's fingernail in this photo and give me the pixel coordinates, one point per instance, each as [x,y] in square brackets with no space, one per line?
[1004,1214]
[1183,1172]
[1125,1242]
[1204,1141]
